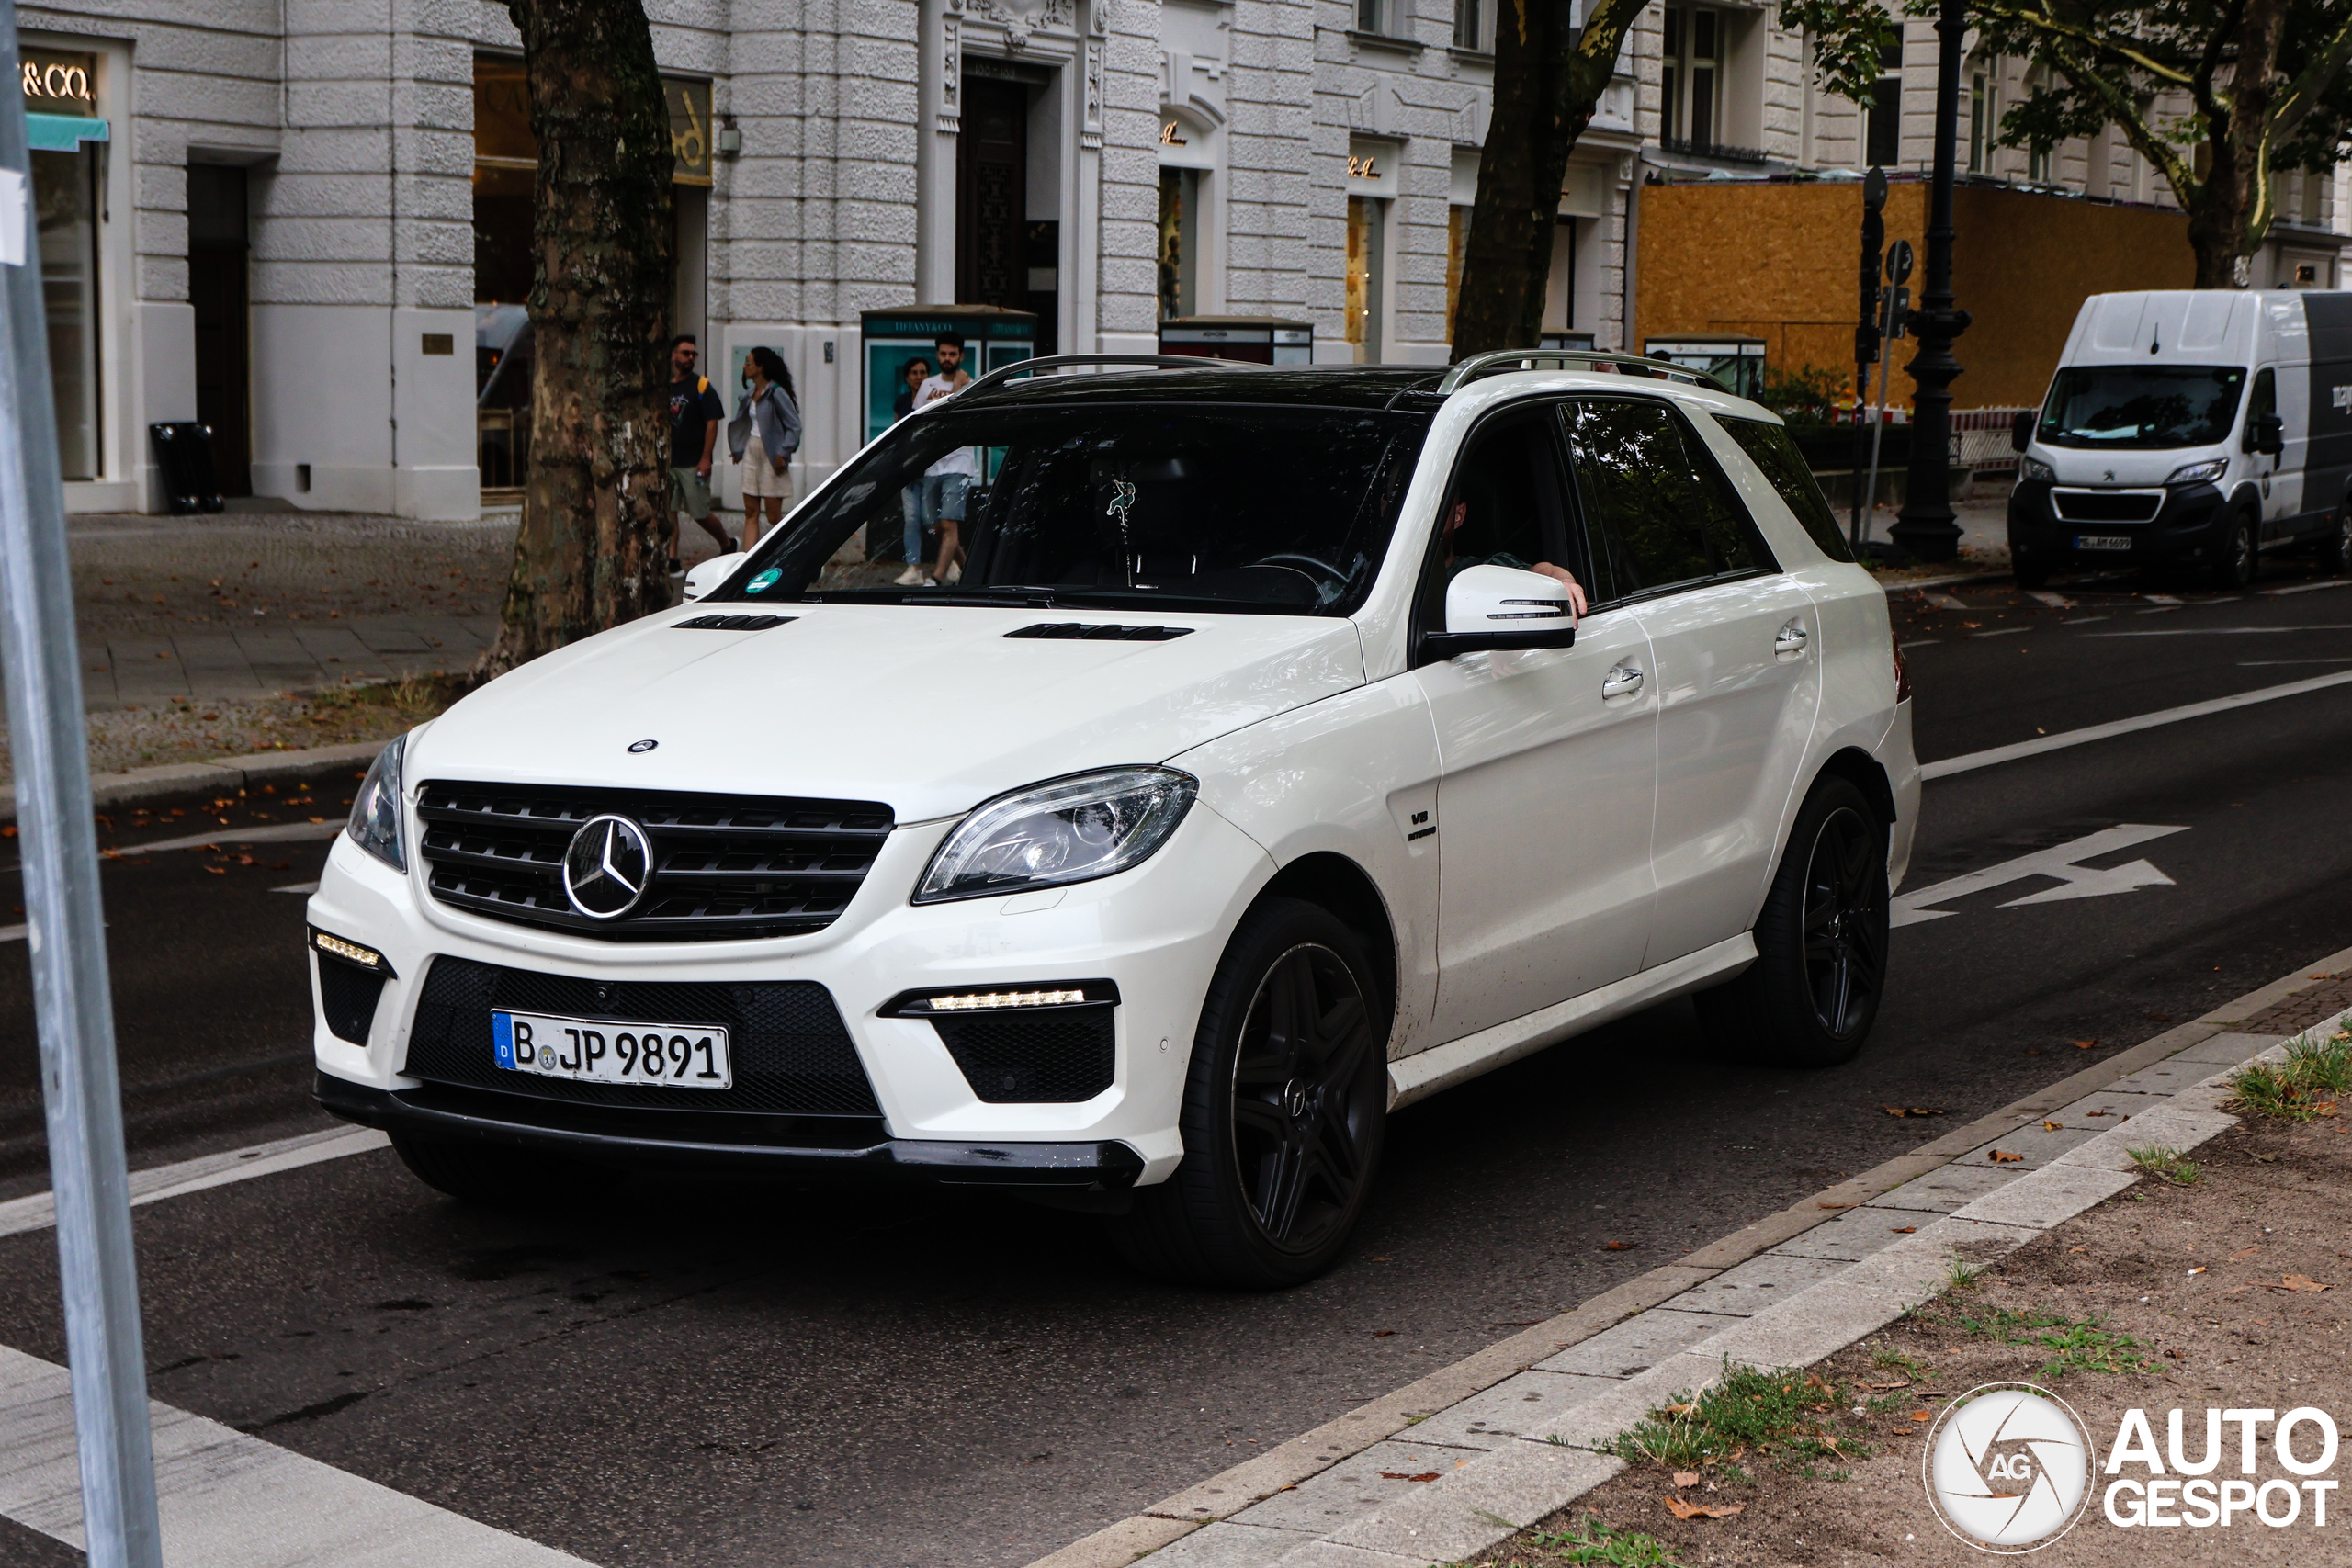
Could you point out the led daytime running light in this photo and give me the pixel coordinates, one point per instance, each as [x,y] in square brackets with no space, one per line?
[981,1001]
[351,952]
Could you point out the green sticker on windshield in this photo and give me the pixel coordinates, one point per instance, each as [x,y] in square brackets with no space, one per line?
[762,583]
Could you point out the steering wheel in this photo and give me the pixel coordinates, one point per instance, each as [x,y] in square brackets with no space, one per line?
[1330,580]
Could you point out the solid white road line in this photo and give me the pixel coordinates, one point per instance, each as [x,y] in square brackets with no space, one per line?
[280,833]
[40,1211]
[2222,631]
[13,933]
[296,887]
[226,1500]
[2059,742]
[2304,587]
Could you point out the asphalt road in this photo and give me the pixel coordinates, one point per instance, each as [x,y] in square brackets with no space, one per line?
[803,1375]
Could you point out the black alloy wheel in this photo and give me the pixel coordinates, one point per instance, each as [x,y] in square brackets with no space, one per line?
[1286,1106]
[1821,942]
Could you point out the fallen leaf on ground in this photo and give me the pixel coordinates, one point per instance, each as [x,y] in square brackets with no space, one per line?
[215,871]
[1382,1332]
[1676,1409]
[1920,1415]
[2245,1252]
[2237,1290]
[1683,1510]
[1839,1205]
[2072,1250]
[1400,1475]
[1903,1230]
[1618,1247]
[2053,1127]
[1686,1478]
[1886,1387]
[2002,1157]
[2082,1044]
[2298,1282]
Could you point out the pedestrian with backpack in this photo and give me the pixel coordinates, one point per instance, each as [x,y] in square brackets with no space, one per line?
[695,412]
[762,436]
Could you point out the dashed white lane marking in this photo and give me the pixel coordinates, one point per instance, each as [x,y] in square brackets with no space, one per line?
[296,887]
[13,933]
[40,1211]
[2059,741]
[2304,587]
[277,833]
[226,1500]
[2225,631]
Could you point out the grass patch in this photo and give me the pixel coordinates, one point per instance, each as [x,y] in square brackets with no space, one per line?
[2078,1345]
[1781,1416]
[1595,1542]
[2169,1164]
[1962,1275]
[1896,1361]
[2307,1084]
[409,701]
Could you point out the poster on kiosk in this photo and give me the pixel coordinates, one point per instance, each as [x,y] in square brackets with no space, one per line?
[993,338]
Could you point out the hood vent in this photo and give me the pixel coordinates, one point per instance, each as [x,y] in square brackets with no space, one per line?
[733,622]
[1096,631]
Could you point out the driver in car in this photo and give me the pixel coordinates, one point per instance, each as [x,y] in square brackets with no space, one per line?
[1455,565]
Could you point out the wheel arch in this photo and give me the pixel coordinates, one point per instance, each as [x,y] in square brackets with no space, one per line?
[1866,773]
[1334,882]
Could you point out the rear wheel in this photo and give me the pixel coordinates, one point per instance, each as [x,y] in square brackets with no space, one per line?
[1811,996]
[1284,1109]
[2241,557]
[2335,545]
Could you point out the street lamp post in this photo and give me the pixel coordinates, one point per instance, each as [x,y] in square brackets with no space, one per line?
[1926,528]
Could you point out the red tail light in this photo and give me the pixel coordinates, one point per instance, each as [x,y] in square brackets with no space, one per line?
[1901,670]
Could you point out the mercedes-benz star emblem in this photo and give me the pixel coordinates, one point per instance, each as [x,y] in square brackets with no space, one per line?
[607,867]
[636,745]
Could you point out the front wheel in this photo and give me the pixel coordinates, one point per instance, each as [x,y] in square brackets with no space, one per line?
[1285,1105]
[2241,555]
[1811,996]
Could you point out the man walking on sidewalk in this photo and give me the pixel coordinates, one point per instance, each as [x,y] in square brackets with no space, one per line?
[694,413]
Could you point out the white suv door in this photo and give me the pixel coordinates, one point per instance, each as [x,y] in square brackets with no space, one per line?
[1738,668]
[1548,758]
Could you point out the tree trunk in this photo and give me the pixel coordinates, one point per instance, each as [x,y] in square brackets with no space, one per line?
[590,554]
[2231,214]
[1548,77]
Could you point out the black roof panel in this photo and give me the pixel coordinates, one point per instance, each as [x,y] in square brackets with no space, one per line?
[1318,386]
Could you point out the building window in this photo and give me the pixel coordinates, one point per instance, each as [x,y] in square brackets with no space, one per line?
[1180,224]
[1980,122]
[1365,215]
[1883,129]
[1691,79]
[1470,25]
[1371,14]
[62,123]
[1457,246]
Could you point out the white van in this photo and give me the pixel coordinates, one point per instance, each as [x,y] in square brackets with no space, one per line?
[2196,428]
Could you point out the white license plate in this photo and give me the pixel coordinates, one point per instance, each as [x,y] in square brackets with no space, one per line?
[2102,541]
[611,1050]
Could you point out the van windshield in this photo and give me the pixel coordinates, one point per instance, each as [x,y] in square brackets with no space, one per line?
[2140,405]
[1109,504]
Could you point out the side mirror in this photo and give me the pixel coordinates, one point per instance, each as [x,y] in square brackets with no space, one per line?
[2021,431]
[1502,607]
[2269,434]
[710,574]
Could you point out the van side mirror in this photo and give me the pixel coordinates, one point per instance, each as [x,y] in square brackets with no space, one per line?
[2021,431]
[1502,607]
[2269,434]
[709,574]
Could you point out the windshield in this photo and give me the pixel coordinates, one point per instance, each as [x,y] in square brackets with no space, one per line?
[1278,509]
[2140,405]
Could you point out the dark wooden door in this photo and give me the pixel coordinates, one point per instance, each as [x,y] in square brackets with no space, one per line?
[991,194]
[216,286]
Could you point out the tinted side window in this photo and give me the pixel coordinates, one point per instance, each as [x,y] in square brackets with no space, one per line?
[1774,451]
[1505,506]
[2264,399]
[1645,509]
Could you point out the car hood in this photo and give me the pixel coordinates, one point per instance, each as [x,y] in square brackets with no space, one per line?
[929,709]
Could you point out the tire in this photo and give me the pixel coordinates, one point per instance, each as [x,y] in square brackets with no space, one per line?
[1813,993]
[490,1176]
[2335,545]
[2241,556]
[2031,571]
[1282,1126]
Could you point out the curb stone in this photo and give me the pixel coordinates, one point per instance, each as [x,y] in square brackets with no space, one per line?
[191,781]
[1607,1360]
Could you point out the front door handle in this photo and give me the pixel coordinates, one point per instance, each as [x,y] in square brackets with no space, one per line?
[1791,640]
[1622,680]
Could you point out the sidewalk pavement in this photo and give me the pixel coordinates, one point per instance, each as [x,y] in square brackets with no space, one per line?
[1465,1457]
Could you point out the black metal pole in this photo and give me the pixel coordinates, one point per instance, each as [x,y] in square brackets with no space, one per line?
[1926,530]
[1867,351]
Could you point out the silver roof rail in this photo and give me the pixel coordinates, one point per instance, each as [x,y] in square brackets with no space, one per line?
[1503,359]
[1056,361]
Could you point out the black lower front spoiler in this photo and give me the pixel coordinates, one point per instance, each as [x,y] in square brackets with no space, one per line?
[692,1141]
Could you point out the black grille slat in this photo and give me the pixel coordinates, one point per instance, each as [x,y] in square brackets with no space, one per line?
[792,1053]
[2107,506]
[726,867]
[1051,1056]
[1098,631]
[347,996]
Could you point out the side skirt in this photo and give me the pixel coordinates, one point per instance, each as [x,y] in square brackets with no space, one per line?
[1457,1061]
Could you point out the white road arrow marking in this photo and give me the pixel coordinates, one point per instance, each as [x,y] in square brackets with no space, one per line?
[2060,861]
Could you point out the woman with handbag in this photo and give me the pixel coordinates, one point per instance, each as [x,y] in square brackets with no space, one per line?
[762,436]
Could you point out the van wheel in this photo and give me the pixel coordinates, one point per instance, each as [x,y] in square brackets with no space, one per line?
[2241,555]
[2335,546]
[1286,1106]
[2031,570]
[1811,996]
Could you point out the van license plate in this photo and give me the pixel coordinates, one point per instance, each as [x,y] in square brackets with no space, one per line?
[2102,541]
[614,1051]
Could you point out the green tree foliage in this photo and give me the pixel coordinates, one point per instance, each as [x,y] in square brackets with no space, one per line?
[2219,96]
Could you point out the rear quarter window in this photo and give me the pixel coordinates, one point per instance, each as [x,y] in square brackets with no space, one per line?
[1771,449]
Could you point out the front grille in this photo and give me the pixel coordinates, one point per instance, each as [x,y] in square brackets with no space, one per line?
[347,996]
[1052,1057]
[2107,505]
[792,1053]
[724,866]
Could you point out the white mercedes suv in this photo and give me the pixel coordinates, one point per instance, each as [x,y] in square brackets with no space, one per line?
[1246,787]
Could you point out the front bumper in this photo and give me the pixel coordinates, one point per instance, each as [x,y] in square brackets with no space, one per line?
[1156,932]
[2186,529]
[784,1144]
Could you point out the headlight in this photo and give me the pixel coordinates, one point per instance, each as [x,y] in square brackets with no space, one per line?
[2199,473]
[375,810]
[1072,829]
[2033,468]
